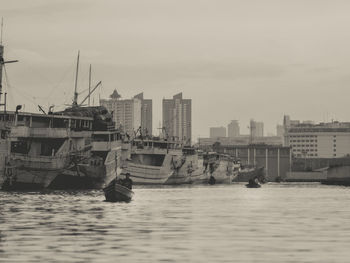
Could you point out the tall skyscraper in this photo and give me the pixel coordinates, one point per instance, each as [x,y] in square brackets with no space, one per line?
[146,114]
[177,117]
[126,113]
[256,129]
[217,132]
[233,129]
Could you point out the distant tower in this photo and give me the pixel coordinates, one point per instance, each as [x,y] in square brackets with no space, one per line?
[233,129]
[146,114]
[177,117]
[126,113]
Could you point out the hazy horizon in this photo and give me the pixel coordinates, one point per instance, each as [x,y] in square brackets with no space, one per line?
[236,60]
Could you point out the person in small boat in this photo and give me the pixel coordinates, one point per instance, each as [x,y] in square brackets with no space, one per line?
[211,180]
[127,182]
[253,182]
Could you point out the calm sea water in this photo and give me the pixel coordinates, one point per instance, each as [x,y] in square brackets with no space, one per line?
[276,223]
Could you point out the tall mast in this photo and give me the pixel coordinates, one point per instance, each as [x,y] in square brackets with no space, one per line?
[89,83]
[2,25]
[2,63]
[1,57]
[75,100]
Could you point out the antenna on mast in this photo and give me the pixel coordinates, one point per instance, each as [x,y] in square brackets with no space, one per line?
[75,100]
[2,64]
[2,25]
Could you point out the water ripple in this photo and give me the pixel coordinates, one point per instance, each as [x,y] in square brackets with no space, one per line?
[276,223]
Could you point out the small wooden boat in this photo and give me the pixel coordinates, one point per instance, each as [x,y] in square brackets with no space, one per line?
[253,183]
[115,192]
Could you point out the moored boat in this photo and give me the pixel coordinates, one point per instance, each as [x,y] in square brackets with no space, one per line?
[338,175]
[153,161]
[43,146]
[190,169]
[218,168]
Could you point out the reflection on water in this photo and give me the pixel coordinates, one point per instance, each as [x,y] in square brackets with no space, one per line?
[276,223]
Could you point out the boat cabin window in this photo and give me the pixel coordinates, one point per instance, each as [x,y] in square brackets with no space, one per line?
[148,159]
[100,137]
[20,147]
[39,122]
[59,123]
[188,151]
[7,117]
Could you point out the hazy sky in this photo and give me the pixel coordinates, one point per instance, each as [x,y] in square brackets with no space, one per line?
[235,59]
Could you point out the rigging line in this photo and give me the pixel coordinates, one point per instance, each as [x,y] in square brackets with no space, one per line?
[21,93]
[31,67]
[8,89]
[55,87]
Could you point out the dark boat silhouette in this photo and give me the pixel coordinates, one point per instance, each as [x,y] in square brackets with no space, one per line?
[253,183]
[115,192]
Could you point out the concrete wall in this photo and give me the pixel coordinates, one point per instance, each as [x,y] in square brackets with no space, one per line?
[308,164]
[275,159]
[306,176]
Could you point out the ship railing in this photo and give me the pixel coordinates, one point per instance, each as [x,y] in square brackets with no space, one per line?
[23,131]
[39,162]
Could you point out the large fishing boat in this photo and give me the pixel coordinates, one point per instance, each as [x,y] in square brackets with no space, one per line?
[74,148]
[218,166]
[160,161]
[43,146]
[152,161]
[104,161]
[189,170]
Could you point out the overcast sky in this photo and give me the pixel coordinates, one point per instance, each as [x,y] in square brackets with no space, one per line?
[235,59]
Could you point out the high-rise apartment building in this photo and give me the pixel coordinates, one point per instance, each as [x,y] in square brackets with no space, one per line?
[233,129]
[126,113]
[146,114]
[256,129]
[217,132]
[177,117]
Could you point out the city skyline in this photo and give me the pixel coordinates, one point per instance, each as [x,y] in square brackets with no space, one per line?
[250,61]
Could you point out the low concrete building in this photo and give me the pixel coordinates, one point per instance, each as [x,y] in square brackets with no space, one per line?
[241,140]
[323,140]
[216,132]
[276,159]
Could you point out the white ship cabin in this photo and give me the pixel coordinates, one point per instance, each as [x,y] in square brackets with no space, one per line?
[106,140]
[157,144]
[35,135]
[154,152]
